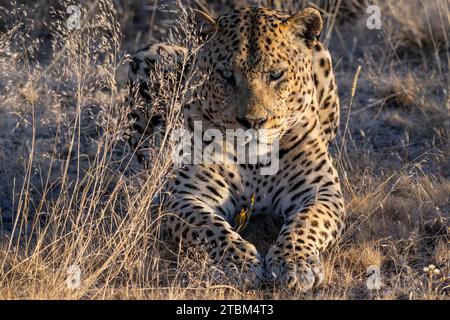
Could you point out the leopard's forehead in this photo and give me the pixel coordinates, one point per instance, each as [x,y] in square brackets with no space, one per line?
[253,18]
[252,35]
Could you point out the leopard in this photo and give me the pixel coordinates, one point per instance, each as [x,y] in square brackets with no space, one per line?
[266,71]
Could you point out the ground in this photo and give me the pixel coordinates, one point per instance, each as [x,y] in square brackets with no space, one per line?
[73,198]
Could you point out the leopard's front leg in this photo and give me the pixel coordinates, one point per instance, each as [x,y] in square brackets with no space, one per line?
[198,214]
[294,260]
[310,226]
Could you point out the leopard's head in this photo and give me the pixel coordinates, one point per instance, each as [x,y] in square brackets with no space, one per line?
[258,64]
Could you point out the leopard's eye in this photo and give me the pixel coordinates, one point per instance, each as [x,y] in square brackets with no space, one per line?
[276,74]
[226,73]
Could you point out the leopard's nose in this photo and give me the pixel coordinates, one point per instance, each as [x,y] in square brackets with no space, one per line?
[252,123]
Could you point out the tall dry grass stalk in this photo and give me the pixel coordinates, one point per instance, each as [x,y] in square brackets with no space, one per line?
[75,206]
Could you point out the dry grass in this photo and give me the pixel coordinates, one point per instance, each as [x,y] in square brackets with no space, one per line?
[71,192]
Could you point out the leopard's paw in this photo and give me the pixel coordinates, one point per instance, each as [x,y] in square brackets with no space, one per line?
[294,273]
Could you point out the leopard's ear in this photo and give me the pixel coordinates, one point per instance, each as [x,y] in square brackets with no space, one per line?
[206,25]
[307,24]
